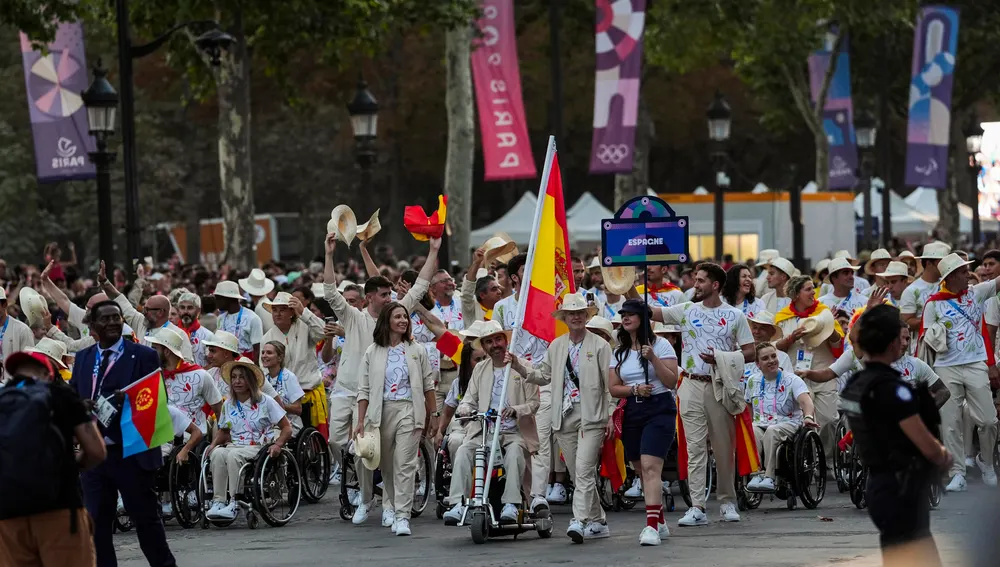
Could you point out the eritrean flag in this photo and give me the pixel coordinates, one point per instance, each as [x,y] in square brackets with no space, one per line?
[548,256]
[424,227]
[145,419]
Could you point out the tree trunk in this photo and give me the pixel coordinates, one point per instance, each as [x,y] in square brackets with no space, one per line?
[461,142]
[632,185]
[234,150]
[822,175]
[192,193]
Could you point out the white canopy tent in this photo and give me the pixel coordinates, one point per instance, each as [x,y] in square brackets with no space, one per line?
[516,223]
[905,219]
[584,218]
[924,201]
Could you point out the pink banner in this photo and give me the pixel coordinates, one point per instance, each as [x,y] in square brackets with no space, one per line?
[497,79]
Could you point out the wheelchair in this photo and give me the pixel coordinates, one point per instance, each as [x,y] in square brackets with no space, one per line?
[422,482]
[858,483]
[842,458]
[800,472]
[270,488]
[442,478]
[313,455]
[177,484]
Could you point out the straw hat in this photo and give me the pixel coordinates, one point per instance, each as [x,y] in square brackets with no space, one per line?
[838,264]
[950,263]
[473,331]
[170,339]
[574,302]
[343,224]
[53,349]
[3,295]
[906,256]
[369,229]
[662,329]
[500,248]
[784,265]
[281,299]
[227,371]
[767,256]
[227,289]
[603,327]
[935,250]
[368,448]
[843,254]
[317,290]
[616,320]
[488,329]
[224,340]
[618,280]
[595,264]
[876,256]
[818,328]
[896,269]
[33,305]
[257,283]
[823,264]
[767,318]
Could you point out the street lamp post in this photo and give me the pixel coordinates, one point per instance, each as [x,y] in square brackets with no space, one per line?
[363,110]
[101,101]
[866,129]
[719,121]
[973,143]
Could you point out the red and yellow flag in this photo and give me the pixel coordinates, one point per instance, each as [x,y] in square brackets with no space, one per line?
[424,227]
[551,274]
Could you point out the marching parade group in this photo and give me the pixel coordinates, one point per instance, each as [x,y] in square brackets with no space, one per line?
[377,365]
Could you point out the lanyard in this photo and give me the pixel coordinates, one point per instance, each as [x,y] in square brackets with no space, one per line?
[962,311]
[840,306]
[451,312]
[746,306]
[611,312]
[239,317]
[279,380]
[97,368]
[774,400]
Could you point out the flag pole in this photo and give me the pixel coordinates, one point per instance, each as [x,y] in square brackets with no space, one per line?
[550,154]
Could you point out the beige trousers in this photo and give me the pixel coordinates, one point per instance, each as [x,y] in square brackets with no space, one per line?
[400,441]
[456,436]
[768,439]
[514,463]
[968,427]
[443,385]
[825,400]
[707,421]
[969,385]
[541,462]
[582,449]
[226,463]
[342,418]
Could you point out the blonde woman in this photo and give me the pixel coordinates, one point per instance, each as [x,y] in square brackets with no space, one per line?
[396,396]
[284,382]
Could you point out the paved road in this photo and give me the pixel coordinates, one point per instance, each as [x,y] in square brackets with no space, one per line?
[772,536]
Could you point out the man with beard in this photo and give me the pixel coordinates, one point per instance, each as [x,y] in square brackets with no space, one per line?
[579,274]
[189,308]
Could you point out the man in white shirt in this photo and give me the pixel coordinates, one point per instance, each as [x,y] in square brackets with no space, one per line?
[238,320]
[911,303]
[449,311]
[189,387]
[763,262]
[843,298]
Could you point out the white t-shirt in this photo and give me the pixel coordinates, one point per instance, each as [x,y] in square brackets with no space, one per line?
[245,324]
[773,303]
[915,296]
[723,328]
[507,424]
[453,398]
[849,304]
[249,424]
[750,309]
[631,371]
[666,298]
[860,285]
[179,420]
[190,391]
[845,365]
[397,375]
[609,310]
[914,370]
[751,370]
[962,319]
[776,401]
[526,345]
[286,384]
[571,392]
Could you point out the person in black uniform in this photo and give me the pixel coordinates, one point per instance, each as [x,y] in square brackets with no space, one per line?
[896,429]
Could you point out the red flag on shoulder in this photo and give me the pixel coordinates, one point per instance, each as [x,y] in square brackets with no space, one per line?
[424,227]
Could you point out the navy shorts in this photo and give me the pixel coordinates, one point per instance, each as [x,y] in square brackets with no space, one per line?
[648,426]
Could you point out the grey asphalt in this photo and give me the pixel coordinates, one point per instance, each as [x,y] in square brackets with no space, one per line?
[836,533]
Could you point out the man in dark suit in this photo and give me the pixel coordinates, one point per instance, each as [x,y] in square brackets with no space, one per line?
[100,372]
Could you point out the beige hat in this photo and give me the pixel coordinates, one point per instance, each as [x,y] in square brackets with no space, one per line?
[317,290]
[616,320]
[950,263]
[574,302]
[369,229]
[257,283]
[281,299]
[224,340]
[618,280]
[499,248]
[896,269]
[603,327]
[227,371]
[660,328]
[169,338]
[343,224]
[227,289]
[823,264]
[876,256]
[817,328]
[368,448]
[482,273]
[784,265]
[767,318]
[907,256]
[595,264]
[3,294]
[488,329]
[53,349]
[843,254]
[935,250]
[33,305]
[838,264]
[473,331]
[767,255]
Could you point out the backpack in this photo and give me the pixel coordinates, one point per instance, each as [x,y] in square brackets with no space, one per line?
[33,451]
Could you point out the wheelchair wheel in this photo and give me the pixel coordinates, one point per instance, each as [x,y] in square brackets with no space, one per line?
[185,498]
[205,495]
[859,480]
[442,479]
[123,522]
[745,499]
[422,479]
[347,475]
[809,469]
[276,487]
[604,492]
[841,461]
[935,494]
[313,455]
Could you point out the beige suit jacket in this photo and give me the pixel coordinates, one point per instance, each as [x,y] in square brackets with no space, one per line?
[594,365]
[522,396]
[372,381]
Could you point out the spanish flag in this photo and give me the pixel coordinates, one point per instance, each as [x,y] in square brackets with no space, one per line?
[145,420]
[548,256]
[450,345]
[424,227]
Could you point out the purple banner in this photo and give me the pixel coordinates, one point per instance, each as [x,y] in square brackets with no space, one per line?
[838,113]
[620,24]
[58,118]
[935,45]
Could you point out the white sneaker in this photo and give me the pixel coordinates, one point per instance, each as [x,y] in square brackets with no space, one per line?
[538,504]
[454,516]
[635,491]
[380,486]
[989,475]
[596,530]
[766,483]
[354,497]
[754,483]
[167,508]
[970,462]
[228,512]
[121,505]
[402,527]
[575,531]
[663,531]
[213,512]
[557,495]
[192,499]
[548,491]
[360,514]
[693,517]
[957,484]
[335,478]
[421,489]
[388,517]
[509,513]
[729,513]
[649,536]
[666,487]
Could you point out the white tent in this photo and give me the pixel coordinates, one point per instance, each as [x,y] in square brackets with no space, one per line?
[701,191]
[905,219]
[924,200]
[516,223]
[584,219]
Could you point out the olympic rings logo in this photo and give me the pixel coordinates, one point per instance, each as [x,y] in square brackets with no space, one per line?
[612,153]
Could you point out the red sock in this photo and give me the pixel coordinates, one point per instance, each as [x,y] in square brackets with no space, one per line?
[661,515]
[654,515]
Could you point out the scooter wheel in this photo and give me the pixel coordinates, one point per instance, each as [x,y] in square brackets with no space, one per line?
[480,527]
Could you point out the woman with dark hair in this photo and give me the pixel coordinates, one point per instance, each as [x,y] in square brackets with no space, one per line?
[396,398]
[738,291]
[643,373]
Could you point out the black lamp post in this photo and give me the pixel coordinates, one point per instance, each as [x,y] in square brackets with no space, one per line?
[363,110]
[719,121]
[866,129]
[101,101]
[974,143]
